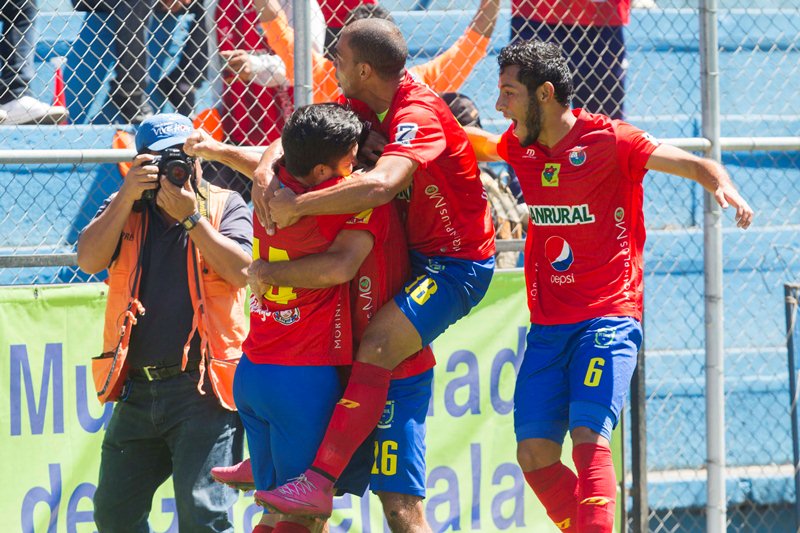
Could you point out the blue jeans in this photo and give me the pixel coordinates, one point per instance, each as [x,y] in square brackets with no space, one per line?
[16,48]
[167,428]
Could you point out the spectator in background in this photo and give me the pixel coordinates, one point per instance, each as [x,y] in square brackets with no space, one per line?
[16,55]
[124,23]
[591,34]
[508,215]
[256,95]
[445,72]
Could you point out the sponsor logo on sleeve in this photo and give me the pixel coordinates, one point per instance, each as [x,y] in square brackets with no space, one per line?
[648,137]
[405,133]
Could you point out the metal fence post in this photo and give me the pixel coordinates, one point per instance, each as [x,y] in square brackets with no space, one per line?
[791,292]
[712,256]
[641,510]
[303,92]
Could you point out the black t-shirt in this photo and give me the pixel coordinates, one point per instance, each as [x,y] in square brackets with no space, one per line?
[159,335]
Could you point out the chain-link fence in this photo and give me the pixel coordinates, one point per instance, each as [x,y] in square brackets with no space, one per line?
[91,71]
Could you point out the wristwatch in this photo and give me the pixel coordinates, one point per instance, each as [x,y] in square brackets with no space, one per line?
[191,221]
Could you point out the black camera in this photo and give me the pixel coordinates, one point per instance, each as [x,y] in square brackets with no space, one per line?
[175,165]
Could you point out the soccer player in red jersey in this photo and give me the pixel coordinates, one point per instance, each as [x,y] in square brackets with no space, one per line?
[429,165]
[301,332]
[581,176]
[400,483]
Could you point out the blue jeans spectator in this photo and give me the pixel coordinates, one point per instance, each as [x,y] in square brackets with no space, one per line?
[119,34]
[167,428]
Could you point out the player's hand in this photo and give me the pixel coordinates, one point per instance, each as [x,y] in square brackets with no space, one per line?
[141,177]
[264,186]
[238,63]
[371,149]
[282,208]
[254,276]
[726,194]
[177,202]
[200,143]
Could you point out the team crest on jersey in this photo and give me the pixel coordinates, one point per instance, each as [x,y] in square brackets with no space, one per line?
[287,317]
[577,156]
[405,133]
[550,175]
[388,415]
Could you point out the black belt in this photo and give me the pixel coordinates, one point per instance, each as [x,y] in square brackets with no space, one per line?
[157,373]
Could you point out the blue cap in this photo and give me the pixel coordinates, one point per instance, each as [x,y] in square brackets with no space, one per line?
[162,131]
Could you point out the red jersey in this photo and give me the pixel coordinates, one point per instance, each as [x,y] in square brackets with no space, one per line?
[382,275]
[309,327]
[583,253]
[335,12]
[574,12]
[445,209]
[251,114]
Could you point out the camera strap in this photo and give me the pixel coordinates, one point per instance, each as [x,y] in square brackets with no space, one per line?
[204,190]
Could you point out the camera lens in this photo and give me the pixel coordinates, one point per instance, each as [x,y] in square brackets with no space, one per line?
[178,172]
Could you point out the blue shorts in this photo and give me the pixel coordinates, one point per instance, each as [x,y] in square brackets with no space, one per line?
[285,421]
[399,447]
[442,290]
[575,375]
[596,55]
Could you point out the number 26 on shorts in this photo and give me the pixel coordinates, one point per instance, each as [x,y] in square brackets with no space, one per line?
[594,372]
[385,458]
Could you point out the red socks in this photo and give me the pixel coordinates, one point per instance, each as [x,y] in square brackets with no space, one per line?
[354,417]
[289,527]
[597,488]
[263,528]
[556,487]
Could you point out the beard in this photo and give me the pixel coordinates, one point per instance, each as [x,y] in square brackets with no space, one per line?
[533,124]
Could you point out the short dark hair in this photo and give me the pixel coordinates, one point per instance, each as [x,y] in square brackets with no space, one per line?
[463,108]
[368,11]
[318,134]
[539,62]
[379,43]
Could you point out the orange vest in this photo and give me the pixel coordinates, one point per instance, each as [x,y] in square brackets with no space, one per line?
[219,316]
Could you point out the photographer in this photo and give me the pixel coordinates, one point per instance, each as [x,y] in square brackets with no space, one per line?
[177,248]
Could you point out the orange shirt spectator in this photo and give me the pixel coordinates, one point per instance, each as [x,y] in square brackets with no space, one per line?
[446,72]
